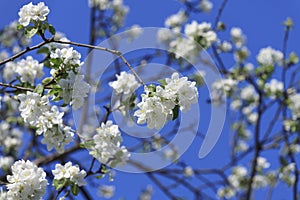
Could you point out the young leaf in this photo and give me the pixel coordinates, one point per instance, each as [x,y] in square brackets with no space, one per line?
[30,31]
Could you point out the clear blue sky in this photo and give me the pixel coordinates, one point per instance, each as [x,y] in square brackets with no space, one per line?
[261,21]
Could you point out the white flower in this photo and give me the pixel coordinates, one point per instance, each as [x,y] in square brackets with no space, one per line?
[107,148]
[74,90]
[206,5]
[134,32]
[36,111]
[11,138]
[188,171]
[32,106]
[70,172]
[6,162]
[237,36]
[185,91]
[67,55]
[222,88]
[30,12]
[26,182]
[227,192]
[269,56]
[29,69]
[57,137]
[262,163]
[225,46]
[152,111]
[274,87]
[156,106]
[176,19]
[107,191]
[10,71]
[201,31]
[125,84]
[248,93]
[260,181]
[295,105]
[287,174]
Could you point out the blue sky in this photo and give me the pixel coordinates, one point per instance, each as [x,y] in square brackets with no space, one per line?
[261,21]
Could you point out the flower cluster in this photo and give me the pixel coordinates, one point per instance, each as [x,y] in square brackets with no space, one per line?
[36,111]
[107,145]
[269,57]
[274,88]
[13,38]
[176,20]
[202,33]
[33,13]
[295,105]
[222,88]
[11,138]
[68,174]
[107,191]
[125,84]
[27,69]
[206,5]
[160,103]
[68,56]
[26,182]
[74,90]
[65,63]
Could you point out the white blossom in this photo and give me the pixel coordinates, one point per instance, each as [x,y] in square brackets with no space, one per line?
[262,163]
[12,37]
[107,191]
[201,31]
[26,182]
[227,192]
[70,172]
[6,162]
[107,145]
[269,56]
[36,111]
[126,84]
[206,5]
[10,138]
[274,87]
[287,174]
[237,36]
[134,32]
[32,12]
[28,69]
[176,20]
[74,89]
[188,171]
[156,106]
[295,105]
[67,55]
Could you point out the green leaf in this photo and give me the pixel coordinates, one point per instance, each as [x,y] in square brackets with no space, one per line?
[163,82]
[44,50]
[58,184]
[30,31]
[20,26]
[175,112]
[51,29]
[47,80]
[39,89]
[74,189]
